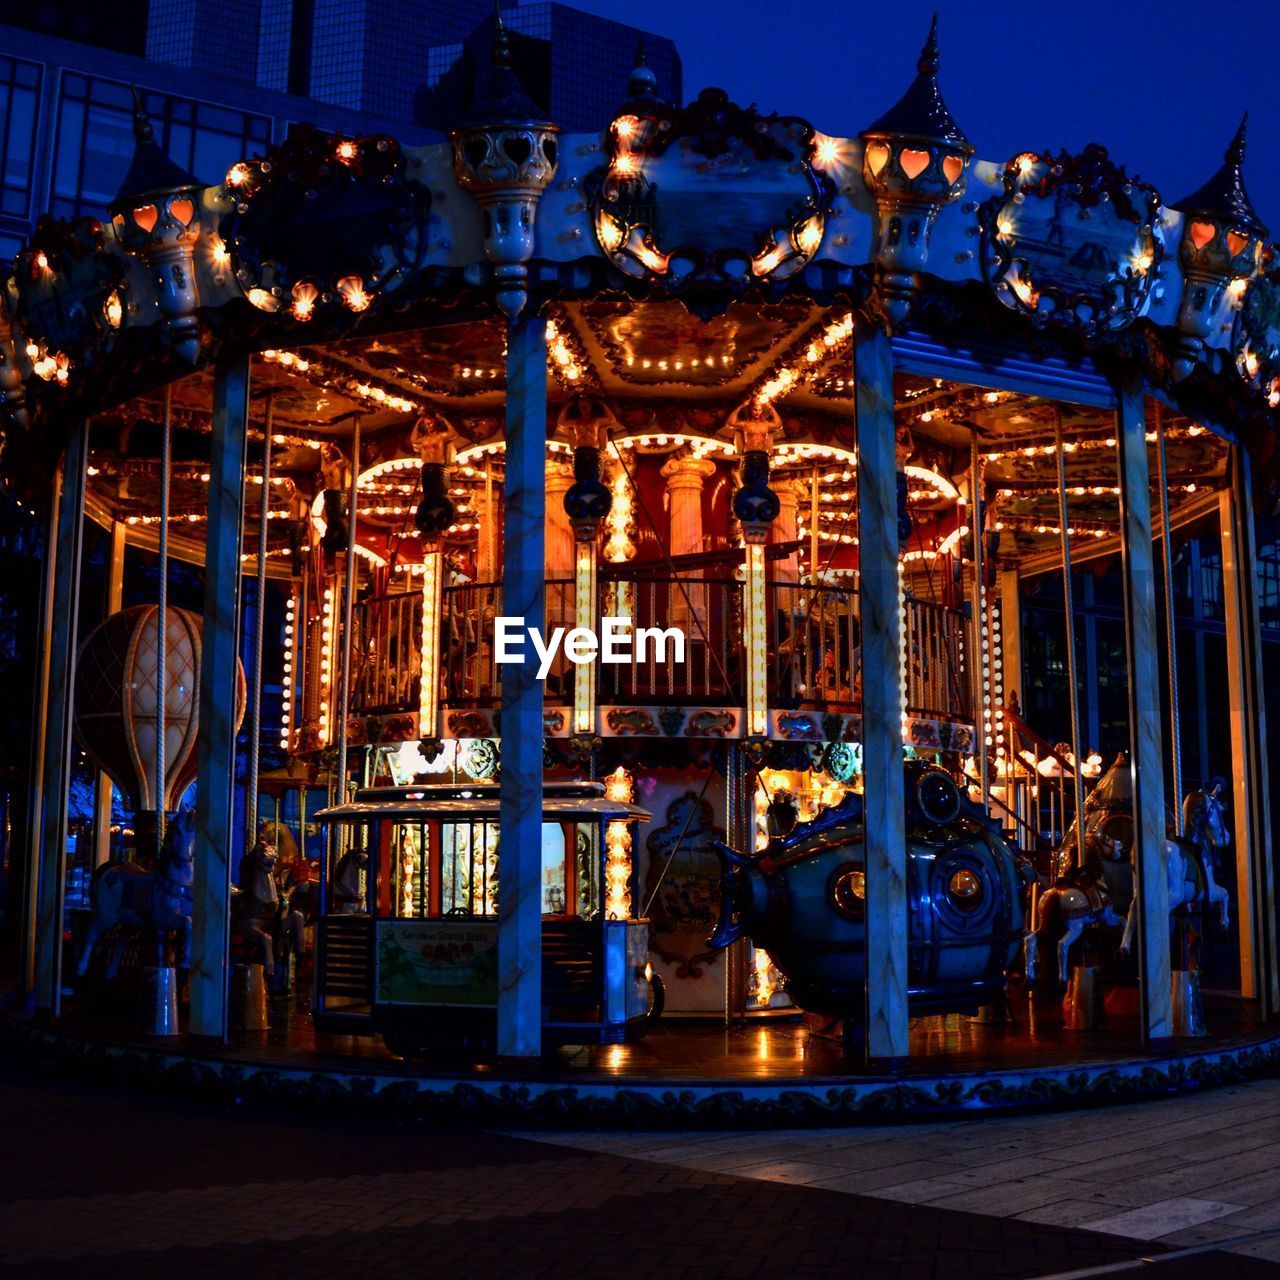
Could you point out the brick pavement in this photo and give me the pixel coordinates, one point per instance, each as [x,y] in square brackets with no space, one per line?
[95,1183]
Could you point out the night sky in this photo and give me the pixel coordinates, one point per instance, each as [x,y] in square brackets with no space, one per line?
[1164,99]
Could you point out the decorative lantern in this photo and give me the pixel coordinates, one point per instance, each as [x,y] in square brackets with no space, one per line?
[115,706]
[756,507]
[155,215]
[506,159]
[435,513]
[1220,252]
[913,162]
[587,503]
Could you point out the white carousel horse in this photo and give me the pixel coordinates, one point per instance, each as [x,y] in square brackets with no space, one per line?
[159,899]
[1184,888]
[1204,819]
[345,896]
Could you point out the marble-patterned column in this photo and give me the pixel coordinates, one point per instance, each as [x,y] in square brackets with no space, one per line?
[219,675]
[1011,631]
[560,551]
[1250,792]
[59,711]
[886,844]
[103,785]
[786,528]
[523,596]
[685,475]
[1146,756]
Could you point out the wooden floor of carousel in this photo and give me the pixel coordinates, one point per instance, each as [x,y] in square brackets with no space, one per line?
[698,1071]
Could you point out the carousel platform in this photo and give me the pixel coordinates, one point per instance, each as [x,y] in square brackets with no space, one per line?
[765,1073]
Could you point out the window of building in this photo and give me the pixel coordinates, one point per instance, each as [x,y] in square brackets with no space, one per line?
[95,140]
[19,108]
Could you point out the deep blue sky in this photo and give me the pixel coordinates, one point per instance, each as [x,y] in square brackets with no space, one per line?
[1160,84]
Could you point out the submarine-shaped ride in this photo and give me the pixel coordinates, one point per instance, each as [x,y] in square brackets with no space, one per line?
[802,899]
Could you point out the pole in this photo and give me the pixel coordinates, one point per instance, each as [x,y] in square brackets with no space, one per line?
[1068,607]
[219,696]
[162,618]
[982,660]
[878,585]
[348,612]
[1170,627]
[60,711]
[259,627]
[39,733]
[524,597]
[1146,770]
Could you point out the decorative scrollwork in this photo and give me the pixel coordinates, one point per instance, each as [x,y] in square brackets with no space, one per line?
[662,209]
[323,222]
[1071,242]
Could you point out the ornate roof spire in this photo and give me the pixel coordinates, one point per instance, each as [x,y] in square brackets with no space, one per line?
[503,98]
[921,111]
[150,172]
[642,83]
[1224,195]
[501,41]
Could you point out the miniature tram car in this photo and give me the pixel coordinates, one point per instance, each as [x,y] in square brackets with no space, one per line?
[408,937]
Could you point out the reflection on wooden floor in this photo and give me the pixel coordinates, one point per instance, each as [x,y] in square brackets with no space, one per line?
[779,1048]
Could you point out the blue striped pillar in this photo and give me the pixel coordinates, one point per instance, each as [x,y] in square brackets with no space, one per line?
[216,744]
[886,841]
[523,596]
[1146,735]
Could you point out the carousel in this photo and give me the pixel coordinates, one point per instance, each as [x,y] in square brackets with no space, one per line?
[575,624]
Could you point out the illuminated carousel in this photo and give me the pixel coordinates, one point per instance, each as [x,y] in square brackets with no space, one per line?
[804,418]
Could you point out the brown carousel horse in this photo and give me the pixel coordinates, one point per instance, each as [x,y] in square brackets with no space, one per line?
[1077,901]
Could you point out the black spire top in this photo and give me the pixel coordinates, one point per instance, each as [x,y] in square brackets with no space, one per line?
[642,83]
[503,99]
[151,172]
[921,112]
[1224,196]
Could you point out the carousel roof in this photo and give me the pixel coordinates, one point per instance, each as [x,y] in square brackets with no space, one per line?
[921,111]
[694,264]
[1224,195]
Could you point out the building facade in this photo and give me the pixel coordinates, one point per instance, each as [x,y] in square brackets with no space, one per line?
[262,66]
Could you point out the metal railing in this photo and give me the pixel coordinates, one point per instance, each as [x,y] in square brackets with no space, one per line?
[813,639]
[814,642]
[709,612]
[386,653]
[936,687]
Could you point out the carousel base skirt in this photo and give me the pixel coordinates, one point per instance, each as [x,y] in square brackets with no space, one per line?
[766,1073]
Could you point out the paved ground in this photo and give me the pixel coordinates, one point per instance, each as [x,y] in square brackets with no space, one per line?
[1184,1172]
[97,1183]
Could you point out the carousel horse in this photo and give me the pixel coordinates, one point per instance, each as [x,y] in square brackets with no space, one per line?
[346,896]
[159,899]
[1188,861]
[257,903]
[1078,901]
[1204,820]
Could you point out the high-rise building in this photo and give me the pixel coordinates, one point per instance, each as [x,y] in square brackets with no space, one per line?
[222,79]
